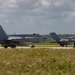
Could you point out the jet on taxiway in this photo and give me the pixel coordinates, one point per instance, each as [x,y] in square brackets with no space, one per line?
[64,41]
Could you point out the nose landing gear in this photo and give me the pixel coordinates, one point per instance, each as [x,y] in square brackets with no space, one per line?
[32,46]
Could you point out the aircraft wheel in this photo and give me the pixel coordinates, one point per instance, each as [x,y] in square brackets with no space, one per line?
[13,46]
[32,46]
[5,46]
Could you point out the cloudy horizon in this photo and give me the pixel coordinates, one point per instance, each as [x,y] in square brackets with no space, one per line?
[37,16]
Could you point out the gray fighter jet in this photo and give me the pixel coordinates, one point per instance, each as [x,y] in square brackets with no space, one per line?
[64,41]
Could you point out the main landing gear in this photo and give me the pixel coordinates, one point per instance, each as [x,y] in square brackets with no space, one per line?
[63,43]
[12,46]
[74,45]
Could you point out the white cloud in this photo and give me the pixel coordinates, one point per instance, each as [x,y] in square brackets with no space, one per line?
[8,3]
[45,3]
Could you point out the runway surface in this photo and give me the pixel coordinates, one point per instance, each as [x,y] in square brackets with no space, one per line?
[47,47]
[42,47]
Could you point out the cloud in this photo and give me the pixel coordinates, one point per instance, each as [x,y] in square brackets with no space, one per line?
[45,3]
[27,16]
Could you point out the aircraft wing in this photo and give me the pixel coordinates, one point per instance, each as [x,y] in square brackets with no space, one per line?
[64,40]
[18,41]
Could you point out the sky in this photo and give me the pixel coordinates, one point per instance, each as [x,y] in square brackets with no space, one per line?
[37,16]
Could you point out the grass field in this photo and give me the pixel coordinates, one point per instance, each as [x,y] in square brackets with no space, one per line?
[37,62]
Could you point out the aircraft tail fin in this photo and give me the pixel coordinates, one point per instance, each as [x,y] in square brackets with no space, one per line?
[3,35]
[55,37]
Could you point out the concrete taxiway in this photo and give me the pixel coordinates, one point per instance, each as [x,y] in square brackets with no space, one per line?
[47,47]
[42,47]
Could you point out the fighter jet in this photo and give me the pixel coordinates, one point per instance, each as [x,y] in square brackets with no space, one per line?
[21,40]
[6,41]
[63,42]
